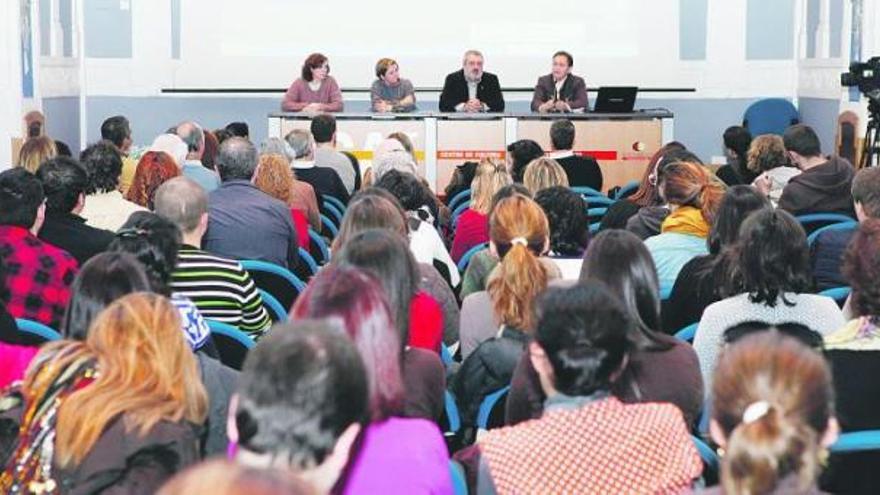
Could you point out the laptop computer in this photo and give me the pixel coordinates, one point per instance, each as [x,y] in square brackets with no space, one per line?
[616,99]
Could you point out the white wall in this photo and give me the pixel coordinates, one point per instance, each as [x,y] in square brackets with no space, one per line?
[10,80]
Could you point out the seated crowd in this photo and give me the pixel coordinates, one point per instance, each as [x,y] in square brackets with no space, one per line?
[283,319]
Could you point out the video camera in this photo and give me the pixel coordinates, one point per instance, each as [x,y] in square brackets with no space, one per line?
[864,75]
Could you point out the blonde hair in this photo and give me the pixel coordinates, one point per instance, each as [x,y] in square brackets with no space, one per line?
[766,152]
[35,151]
[542,173]
[147,373]
[519,230]
[490,177]
[274,177]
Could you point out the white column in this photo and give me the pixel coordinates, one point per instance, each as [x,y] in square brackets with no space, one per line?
[10,79]
[823,30]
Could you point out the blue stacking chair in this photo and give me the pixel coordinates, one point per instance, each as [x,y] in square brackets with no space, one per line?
[708,456]
[627,189]
[814,221]
[770,116]
[846,225]
[856,441]
[488,407]
[319,249]
[687,333]
[588,191]
[335,202]
[458,211]
[309,265]
[462,197]
[275,309]
[598,201]
[329,226]
[453,418]
[466,257]
[839,294]
[459,484]
[276,280]
[37,329]
[232,344]
[334,213]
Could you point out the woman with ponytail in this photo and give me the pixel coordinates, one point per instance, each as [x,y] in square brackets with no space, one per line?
[519,234]
[693,196]
[772,413]
[586,440]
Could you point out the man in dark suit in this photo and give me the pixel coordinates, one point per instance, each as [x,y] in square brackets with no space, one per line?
[560,91]
[471,89]
[581,170]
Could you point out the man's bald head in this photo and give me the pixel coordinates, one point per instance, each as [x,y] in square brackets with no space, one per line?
[194,137]
[237,159]
[181,201]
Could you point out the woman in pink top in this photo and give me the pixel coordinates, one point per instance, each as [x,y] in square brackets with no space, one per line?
[472,227]
[315,91]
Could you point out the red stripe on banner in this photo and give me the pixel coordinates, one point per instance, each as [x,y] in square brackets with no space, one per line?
[609,155]
[469,154]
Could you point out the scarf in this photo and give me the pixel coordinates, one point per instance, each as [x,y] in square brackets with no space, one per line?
[686,220]
[861,334]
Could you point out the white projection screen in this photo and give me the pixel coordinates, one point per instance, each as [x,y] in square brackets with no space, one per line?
[262,43]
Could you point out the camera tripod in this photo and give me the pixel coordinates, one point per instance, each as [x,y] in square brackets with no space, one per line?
[871,145]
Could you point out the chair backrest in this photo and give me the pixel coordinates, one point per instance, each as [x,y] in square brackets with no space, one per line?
[232,344]
[708,456]
[276,280]
[839,294]
[308,267]
[491,413]
[335,202]
[687,333]
[452,416]
[273,307]
[847,225]
[814,221]
[459,483]
[37,330]
[627,189]
[329,226]
[460,197]
[332,212]
[466,257]
[770,116]
[588,191]
[318,248]
[856,441]
[459,210]
[598,201]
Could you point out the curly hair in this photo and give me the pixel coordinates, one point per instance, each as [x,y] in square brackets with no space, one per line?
[766,152]
[274,177]
[154,168]
[103,162]
[861,267]
[567,213]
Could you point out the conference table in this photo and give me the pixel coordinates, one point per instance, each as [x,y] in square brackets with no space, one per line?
[622,143]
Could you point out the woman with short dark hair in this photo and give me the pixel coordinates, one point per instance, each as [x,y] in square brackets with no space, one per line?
[389,92]
[770,281]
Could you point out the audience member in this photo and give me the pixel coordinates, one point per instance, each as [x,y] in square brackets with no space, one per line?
[472,225]
[770,282]
[700,280]
[325,181]
[38,274]
[153,170]
[566,213]
[470,89]
[773,414]
[519,155]
[315,90]
[17,349]
[117,130]
[580,348]
[824,184]
[219,287]
[582,171]
[542,173]
[398,160]
[116,413]
[193,167]
[212,146]
[826,252]
[243,222]
[303,197]
[405,141]
[171,144]
[238,129]
[154,241]
[302,398]
[424,241]
[519,235]
[390,92]
[224,477]
[385,255]
[659,368]
[324,132]
[399,451]
[35,151]
[852,353]
[105,207]
[65,182]
[275,178]
[693,198]
[767,157]
[737,140]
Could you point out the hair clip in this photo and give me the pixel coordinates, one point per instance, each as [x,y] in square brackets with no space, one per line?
[522,241]
[755,411]
[131,232]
